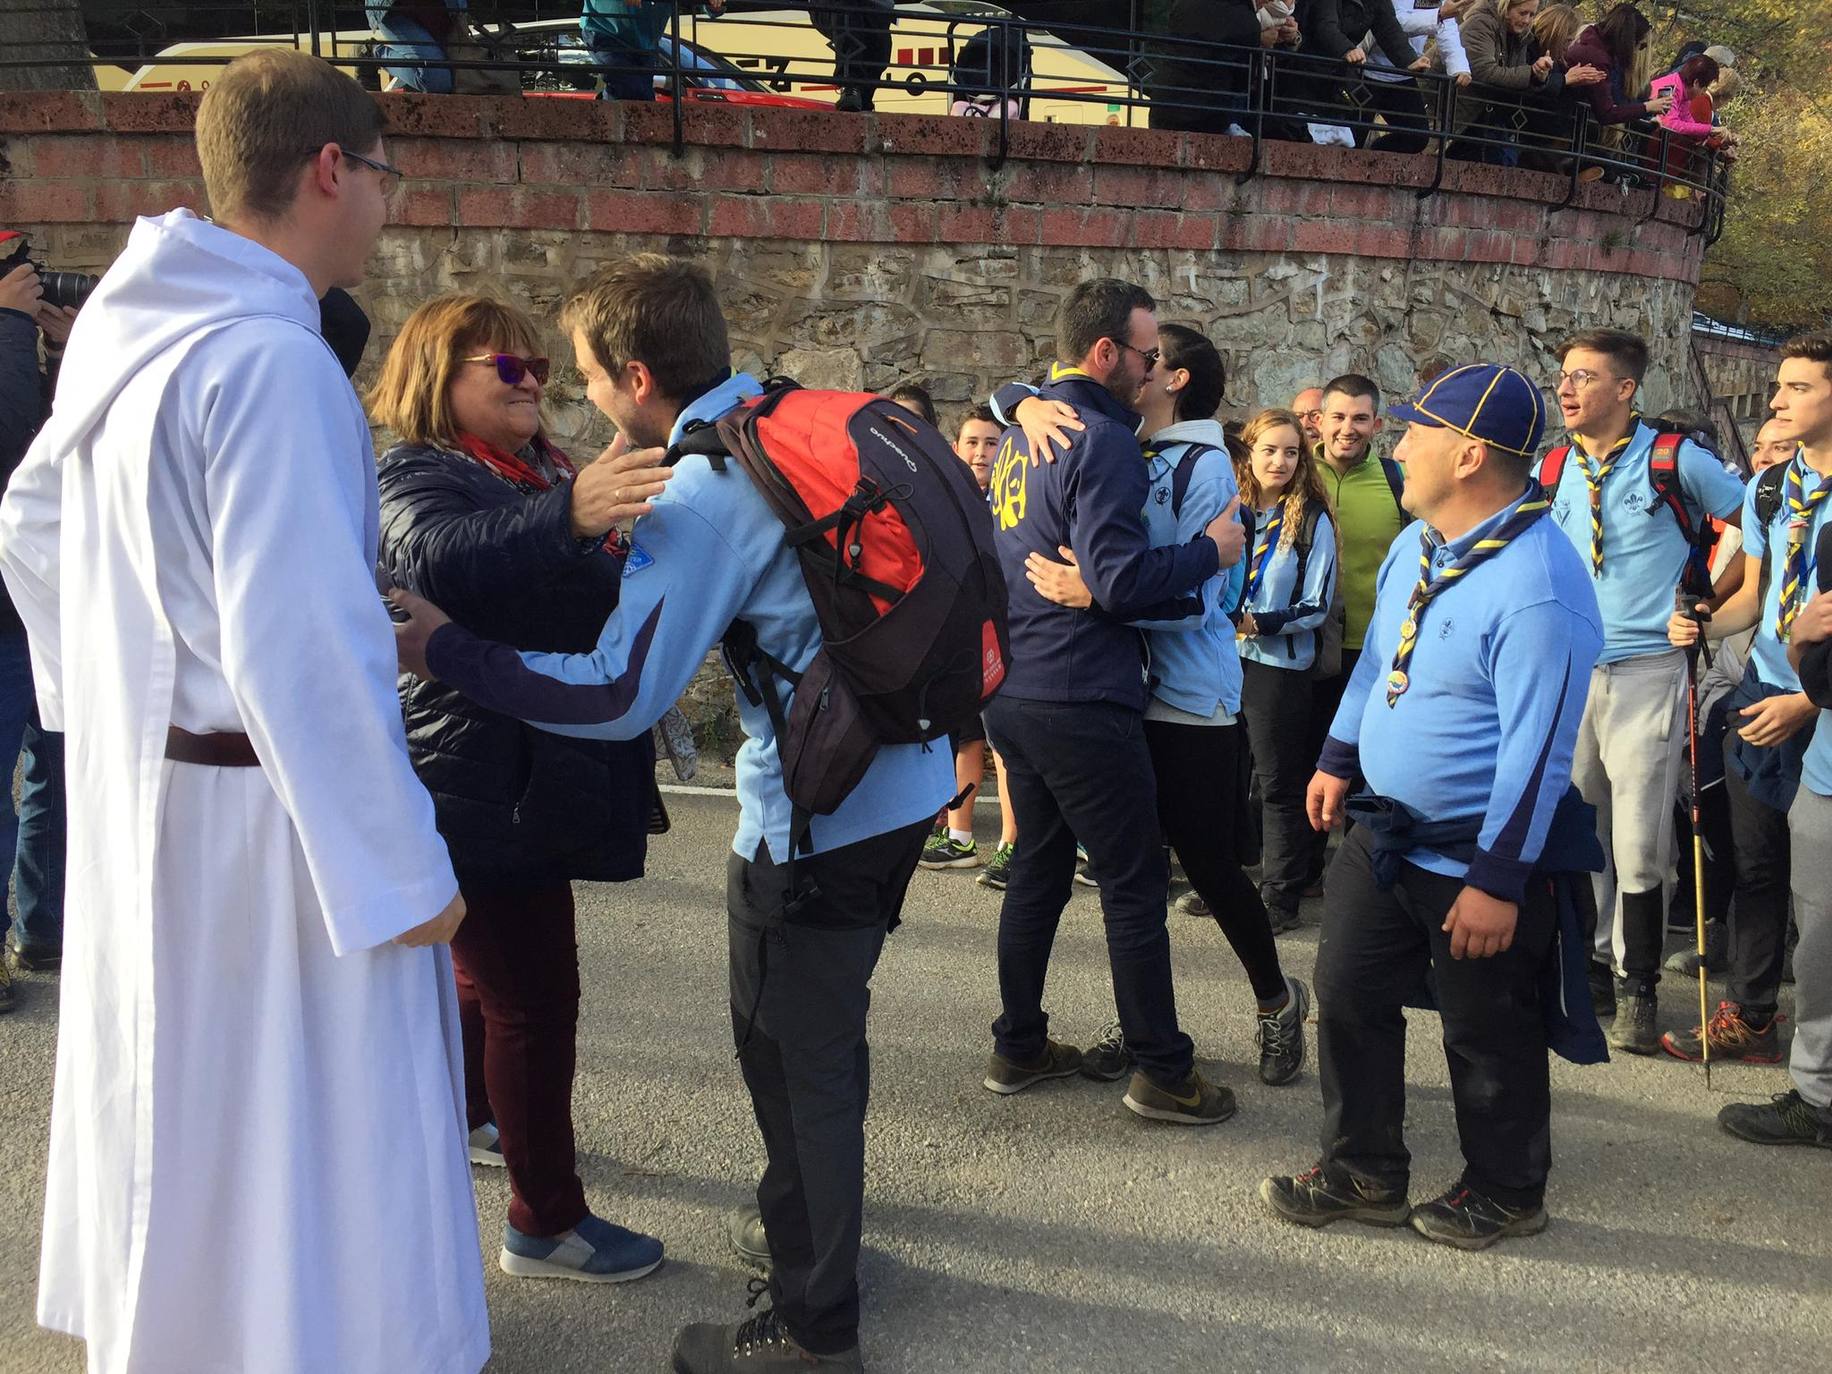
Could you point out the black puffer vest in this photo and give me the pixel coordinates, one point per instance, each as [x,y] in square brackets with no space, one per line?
[514,803]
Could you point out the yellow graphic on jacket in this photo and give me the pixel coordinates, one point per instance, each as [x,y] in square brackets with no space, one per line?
[1009,472]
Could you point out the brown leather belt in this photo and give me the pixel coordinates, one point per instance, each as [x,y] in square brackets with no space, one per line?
[227,750]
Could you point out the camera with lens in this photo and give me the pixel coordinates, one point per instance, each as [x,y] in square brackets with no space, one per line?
[63,289]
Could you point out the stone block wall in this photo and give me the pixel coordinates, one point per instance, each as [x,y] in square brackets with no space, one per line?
[860,251]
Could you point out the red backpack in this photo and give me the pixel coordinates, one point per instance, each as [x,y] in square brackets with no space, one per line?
[1663,475]
[896,548]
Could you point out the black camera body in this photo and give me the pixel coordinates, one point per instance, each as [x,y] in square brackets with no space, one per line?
[63,289]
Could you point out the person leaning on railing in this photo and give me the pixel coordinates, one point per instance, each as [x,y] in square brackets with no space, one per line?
[1513,76]
[1619,45]
[1201,64]
[1343,31]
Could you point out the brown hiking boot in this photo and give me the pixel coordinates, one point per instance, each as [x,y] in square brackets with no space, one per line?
[1732,1037]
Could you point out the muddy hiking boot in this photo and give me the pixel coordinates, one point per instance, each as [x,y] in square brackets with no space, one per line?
[1313,1199]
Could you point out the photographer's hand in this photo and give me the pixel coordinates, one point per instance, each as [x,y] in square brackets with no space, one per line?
[21,290]
[56,321]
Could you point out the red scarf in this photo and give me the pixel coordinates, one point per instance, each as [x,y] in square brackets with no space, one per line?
[514,470]
[524,477]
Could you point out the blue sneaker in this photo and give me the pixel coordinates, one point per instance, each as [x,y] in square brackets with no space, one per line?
[594,1251]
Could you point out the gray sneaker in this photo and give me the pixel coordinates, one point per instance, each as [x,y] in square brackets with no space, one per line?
[1192,905]
[1195,1102]
[1281,1036]
[1107,1058]
[486,1146]
[1005,1078]
[744,1228]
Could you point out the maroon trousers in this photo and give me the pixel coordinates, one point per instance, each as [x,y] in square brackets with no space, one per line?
[517,960]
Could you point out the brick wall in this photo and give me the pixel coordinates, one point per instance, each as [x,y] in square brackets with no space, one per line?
[786,174]
[859,251]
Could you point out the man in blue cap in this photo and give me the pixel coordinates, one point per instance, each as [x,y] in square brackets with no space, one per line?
[1461,714]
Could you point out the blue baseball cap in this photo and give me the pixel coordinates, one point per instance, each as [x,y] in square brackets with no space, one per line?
[1498,405]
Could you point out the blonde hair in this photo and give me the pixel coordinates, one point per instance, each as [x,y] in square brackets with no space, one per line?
[1306,483]
[1726,84]
[412,396]
[1553,28]
[264,116]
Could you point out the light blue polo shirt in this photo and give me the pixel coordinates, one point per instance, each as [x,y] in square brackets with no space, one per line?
[1768,654]
[1644,550]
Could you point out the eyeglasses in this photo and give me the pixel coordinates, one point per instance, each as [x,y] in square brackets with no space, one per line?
[512,369]
[1582,378]
[1150,355]
[392,177]
[1311,415]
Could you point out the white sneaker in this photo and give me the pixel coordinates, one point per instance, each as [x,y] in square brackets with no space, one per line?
[486,1146]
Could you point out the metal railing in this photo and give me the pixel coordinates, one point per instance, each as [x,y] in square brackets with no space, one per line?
[912,60]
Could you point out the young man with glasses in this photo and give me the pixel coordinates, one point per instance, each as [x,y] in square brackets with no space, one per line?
[1069,721]
[1618,492]
[258,1034]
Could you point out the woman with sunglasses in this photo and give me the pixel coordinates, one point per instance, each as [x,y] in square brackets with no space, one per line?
[480,510]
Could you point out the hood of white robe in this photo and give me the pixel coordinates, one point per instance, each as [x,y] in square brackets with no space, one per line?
[177,276]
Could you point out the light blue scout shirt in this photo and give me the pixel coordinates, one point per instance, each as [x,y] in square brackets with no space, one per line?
[1497,687]
[1288,615]
[1767,654]
[1644,550]
[1194,664]
[708,553]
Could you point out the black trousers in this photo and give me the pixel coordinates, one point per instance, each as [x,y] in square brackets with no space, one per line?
[807,1065]
[1278,706]
[1376,951]
[1401,105]
[860,32]
[1082,770]
[1758,920]
[1325,698]
[1197,768]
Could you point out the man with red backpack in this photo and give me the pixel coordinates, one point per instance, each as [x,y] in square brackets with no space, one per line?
[1635,502]
[821,860]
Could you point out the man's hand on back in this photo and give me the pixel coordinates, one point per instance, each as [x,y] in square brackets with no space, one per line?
[412,634]
[1229,535]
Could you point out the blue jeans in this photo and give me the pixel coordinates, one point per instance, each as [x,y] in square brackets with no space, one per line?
[36,832]
[1082,770]
[408,39]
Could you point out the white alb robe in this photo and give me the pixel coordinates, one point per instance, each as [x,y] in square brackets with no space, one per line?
[257,1162]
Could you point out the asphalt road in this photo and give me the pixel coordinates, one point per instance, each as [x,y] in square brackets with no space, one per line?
[1054,1231]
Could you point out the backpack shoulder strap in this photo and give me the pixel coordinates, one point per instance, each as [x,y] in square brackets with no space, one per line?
[1768,492]
[1396,481]
[1663,472]
[1181,474]
[1301,544]
[1552,467]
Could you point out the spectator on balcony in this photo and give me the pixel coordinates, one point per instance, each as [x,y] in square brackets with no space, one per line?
[418,30]
[1690,121]
[1512,77]
[1346,31]
[1619,45]
[625,36]
[1200,70]
[860,32]
[1424,24]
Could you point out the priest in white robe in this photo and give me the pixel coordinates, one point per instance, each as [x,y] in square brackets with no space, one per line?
[257,1158]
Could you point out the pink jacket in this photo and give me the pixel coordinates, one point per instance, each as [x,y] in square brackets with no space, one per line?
[1679,118]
